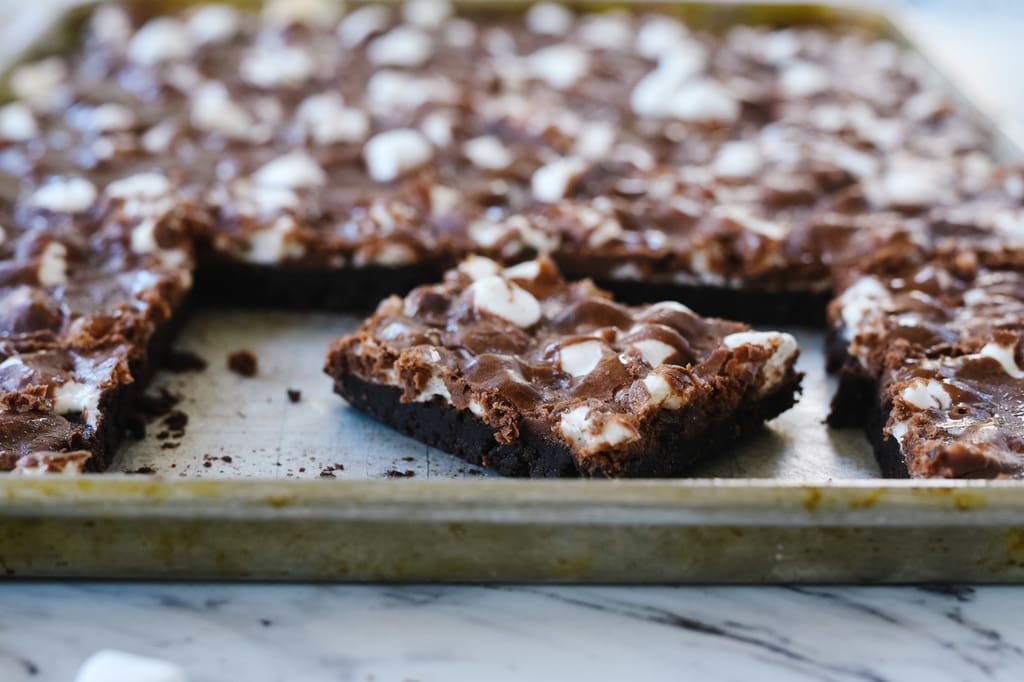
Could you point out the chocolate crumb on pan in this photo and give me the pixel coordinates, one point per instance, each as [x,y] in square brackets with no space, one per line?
[328,472]
[243,363]
[294,395]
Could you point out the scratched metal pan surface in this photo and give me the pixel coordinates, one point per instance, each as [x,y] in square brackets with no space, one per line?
[261,487]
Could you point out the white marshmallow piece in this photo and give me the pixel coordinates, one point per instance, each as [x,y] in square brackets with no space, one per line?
[579,359]
[551,182]
[40,83]
[478,267]
[803,79]
[865,297]
[111,26]
[437,126]
[295,170]
[429,14]
[150,185]
[660,35]
[273,244]
[560,66]
[363,22]
[406,46]
[578,427]
[78,398]
[214,24]
[1004,355]
[784,349]
[327,120]
[158,139]
[214,111]
[487,152]
[143,196]
[160,40]
[549,18]
[391,154]
[595,140]
[926,394]
[312,13]
[527,270]
[108,117]
[487,233]
[653,351]
[703,101]
[278,66]
[17,123]
[507,300]
[117,666]
[652,95]
[736,160]
[910,184]
[64,195]
[53,265]
[607,31]
[662,394]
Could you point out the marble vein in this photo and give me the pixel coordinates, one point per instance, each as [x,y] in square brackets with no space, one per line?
[305,633]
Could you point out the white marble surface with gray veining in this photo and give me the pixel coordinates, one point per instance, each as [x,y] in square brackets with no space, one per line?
[300,633]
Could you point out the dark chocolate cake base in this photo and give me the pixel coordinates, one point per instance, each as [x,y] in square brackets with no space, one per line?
[887,450]
[856,395]
[754,306]
[459,432]
[346,289]
[359,289]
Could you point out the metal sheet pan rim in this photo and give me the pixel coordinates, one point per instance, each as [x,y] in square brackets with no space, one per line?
[684,502]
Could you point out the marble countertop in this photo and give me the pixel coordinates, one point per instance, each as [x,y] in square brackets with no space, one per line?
[303,633]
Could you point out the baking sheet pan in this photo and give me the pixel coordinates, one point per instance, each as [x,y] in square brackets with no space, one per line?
[248,427]
[260,487]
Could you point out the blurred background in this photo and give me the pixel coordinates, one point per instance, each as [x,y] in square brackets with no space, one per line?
[979,44]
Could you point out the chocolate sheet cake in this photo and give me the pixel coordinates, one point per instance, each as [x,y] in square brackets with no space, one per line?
[306,156]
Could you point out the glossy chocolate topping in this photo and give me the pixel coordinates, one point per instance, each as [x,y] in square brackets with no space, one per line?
[520,347]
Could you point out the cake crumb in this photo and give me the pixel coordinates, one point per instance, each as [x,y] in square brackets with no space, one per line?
[159,404]
[243,363]
[328,472]
[394,473]
[176,422]
[294,395]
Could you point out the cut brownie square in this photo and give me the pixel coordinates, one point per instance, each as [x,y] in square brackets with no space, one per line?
[928,363]
[522,371]
[954,416]
[938,308]
[91,284]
